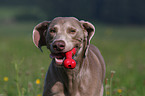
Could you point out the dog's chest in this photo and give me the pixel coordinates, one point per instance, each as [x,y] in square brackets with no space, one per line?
[78,85]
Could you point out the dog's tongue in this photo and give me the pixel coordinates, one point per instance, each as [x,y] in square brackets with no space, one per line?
[58,58]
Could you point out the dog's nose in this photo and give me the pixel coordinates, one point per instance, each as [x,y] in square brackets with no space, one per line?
[59,45]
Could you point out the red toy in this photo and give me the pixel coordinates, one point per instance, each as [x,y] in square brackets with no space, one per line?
[69,62]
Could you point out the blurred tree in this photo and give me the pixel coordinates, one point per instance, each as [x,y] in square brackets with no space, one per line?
[111,11]
[122,11]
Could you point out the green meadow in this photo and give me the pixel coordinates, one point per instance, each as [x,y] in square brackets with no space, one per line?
[23,66]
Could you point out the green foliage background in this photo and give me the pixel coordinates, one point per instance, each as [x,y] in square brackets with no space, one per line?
[122,47]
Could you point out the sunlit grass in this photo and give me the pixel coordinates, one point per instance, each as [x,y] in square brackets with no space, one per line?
[121,47]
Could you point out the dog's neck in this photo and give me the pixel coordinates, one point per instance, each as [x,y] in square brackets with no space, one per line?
[80,64]
[78,74]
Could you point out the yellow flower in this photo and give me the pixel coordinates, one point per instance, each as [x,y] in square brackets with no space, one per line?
[6,79]
[38,95]
[119,90]
[37,81]
[108,92]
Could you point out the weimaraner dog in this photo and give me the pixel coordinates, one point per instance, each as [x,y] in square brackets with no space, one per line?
[61,35]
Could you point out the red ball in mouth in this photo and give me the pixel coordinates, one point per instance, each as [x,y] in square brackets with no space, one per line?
[69,63]
[65,59]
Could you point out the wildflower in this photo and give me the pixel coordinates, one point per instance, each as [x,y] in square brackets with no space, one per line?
[38,95]
[108,92]
[6,79]
[119,90]
[42,75]
[42,70]
[106,81]
[37,81]
[112,74]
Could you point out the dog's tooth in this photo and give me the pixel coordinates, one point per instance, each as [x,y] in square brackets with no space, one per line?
[59,61]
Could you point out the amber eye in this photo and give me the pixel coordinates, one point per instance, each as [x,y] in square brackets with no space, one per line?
[52,30]
[72,31]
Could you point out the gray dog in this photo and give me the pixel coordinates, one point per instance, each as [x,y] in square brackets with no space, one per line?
[60,36]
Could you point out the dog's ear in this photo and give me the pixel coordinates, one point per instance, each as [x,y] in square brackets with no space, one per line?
[39,33]
[89,31]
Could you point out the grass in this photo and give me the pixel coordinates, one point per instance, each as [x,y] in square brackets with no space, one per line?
[121,46]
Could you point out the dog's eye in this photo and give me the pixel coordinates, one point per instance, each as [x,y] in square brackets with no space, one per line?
[52,30]
[72,31]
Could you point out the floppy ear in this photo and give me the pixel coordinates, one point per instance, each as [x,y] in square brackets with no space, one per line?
[89,31]
[39,33]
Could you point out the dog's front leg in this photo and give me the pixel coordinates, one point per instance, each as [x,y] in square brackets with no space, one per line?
[56,90]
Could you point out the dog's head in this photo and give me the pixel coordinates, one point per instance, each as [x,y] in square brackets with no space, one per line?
[63,34]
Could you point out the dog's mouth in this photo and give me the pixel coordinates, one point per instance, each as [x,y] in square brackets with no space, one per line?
[59,58]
